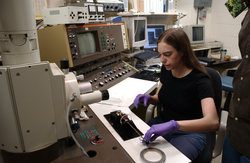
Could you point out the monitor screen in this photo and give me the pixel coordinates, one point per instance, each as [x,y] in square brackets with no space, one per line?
[139,27]
[86,43]
[197,33]
[153,32]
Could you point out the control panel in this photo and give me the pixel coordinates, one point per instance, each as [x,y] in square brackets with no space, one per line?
[113,6]
[74,14]
[95,11]
[105,72]
[82,43]
[97,141]
[97,39]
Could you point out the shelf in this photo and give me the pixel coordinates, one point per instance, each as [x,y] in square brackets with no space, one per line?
[155,17]
[148,14]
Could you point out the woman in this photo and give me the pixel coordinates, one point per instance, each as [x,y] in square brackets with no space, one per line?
[186,94]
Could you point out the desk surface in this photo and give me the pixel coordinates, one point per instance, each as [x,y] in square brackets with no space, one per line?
[221,66]
[129,88]
[219,62]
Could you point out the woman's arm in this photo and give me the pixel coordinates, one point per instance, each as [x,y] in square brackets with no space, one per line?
[209,122]
[154,99]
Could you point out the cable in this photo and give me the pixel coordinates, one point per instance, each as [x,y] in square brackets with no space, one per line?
[151,149]
[198,12]
[39,26]
[197,15]
[71,133]
[39,22]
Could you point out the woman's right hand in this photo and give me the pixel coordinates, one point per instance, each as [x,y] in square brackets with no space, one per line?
[142,98]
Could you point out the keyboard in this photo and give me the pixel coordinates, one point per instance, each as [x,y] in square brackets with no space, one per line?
[146,54]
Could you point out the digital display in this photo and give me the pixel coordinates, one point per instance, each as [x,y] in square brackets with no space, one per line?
[100,9]
[92,9]
[86,43]
[139,26]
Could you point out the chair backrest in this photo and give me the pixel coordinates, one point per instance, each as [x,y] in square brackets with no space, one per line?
[217,87]
[207,152]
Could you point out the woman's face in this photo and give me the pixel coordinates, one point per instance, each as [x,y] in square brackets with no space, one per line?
[170,57]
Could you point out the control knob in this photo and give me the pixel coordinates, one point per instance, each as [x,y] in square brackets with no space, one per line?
[97,140]
[101,84]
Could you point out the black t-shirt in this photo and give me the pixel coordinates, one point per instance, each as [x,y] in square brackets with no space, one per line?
[181,97]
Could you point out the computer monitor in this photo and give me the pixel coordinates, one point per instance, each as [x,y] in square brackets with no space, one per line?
[153,32]
[137,30]
[196,33]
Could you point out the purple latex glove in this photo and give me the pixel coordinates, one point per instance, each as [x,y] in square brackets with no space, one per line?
[141,98]
[161,130]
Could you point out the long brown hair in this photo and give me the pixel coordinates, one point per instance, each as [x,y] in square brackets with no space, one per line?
[177,38]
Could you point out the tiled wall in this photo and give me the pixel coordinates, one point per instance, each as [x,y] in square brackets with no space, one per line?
[220,25]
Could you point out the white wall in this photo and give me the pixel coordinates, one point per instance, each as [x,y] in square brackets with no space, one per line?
[220,25]
[55,3]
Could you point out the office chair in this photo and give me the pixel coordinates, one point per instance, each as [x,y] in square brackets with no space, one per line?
[206,154]
[227,86]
